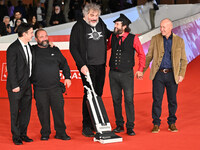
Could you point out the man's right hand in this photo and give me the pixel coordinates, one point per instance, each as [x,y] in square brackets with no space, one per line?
[84,70]
[15,90]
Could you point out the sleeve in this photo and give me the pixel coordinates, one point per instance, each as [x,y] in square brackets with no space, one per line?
[149,55]
[109,42]
[12,67]
[63,65]
[139,49]
[74,46]
[107,31]
[183,60]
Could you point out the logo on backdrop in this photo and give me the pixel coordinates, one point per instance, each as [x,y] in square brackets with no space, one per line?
[75,74]
[4,72]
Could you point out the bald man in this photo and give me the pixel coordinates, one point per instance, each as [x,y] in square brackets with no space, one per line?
[167,51]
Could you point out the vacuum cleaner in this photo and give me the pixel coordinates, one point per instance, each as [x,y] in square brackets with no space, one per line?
[104,133]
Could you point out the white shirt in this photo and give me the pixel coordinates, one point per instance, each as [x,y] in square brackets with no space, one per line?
[12,22]
[29,54]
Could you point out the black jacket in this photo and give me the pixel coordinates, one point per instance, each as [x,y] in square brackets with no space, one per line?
[17,67]
[78,42]
[3,30]
[57,17]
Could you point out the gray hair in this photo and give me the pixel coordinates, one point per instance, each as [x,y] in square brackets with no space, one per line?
[6,17]
[91,6]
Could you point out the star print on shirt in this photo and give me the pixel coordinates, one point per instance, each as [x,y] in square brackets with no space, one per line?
[95,35]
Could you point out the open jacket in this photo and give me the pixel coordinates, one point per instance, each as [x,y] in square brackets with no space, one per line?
[156,52]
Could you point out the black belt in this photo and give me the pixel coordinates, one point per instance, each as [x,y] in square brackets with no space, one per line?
[165,70]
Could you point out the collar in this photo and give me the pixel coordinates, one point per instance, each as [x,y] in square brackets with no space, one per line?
[170,37]
[22,43]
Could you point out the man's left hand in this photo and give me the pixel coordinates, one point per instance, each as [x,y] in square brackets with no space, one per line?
[139,75]
[67,82]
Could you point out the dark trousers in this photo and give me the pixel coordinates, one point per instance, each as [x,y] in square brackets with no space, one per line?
[97,74]
[123,81]
[44,100]
[160,82]
[20,110]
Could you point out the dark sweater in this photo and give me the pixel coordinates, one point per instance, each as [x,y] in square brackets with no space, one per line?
[46,67]
[78,42]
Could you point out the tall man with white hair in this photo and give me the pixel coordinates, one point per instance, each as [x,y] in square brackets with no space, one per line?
[88,48]
[167,51]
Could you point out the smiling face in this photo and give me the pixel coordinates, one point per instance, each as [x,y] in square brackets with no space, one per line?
[166,27]
[42,39]
[119,28]
[92,18]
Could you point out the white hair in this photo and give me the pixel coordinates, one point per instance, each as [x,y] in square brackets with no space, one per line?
[6,17]
[91,6]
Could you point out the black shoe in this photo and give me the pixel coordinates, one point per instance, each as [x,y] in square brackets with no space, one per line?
[63,137]
[26,139]
[45,138]
[118,129]
[130,132]
[17,141]
[87,132]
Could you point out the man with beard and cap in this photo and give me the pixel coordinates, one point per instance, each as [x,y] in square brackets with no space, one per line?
[47,86]
[123,46]
[88,48]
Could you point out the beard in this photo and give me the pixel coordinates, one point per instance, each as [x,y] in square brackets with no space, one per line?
[118,31]
[92,24]
[44,43]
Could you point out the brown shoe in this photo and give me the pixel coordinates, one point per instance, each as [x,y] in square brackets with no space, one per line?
[155,129]
[172,128]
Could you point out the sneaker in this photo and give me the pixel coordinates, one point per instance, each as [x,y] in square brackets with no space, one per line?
[87,132]
[155,129]
[130,132]
[118,129]
[172,128]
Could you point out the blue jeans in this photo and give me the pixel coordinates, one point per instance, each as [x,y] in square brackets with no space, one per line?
[160,82]
[123,81]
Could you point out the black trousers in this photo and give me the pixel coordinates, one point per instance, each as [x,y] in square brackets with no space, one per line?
[160,82]
[20,110]
[44,100]
[123,81]
[97,74]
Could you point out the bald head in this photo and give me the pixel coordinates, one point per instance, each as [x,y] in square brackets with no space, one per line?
[166,27]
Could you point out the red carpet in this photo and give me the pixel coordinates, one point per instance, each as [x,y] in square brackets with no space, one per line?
[188,123]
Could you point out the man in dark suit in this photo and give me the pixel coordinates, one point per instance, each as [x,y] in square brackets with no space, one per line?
[19,66]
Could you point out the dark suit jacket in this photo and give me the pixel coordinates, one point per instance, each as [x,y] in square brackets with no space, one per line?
[17,67]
